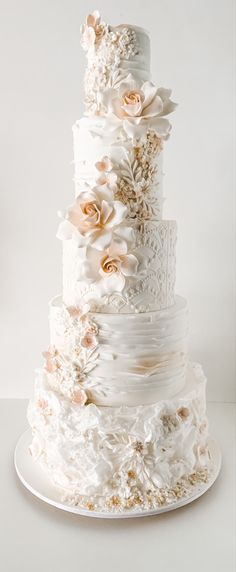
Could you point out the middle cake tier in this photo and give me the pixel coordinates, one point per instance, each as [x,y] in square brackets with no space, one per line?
[150,288]
[109,361]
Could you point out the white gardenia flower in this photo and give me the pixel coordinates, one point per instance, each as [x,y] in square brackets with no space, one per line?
[109,269]
[140,106]
[93,218]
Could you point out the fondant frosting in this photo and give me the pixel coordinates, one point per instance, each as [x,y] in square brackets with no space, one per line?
[150,288]
[123,457]
[119,415]
[139,359]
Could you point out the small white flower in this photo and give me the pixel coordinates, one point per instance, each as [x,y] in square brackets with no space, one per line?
[107,176]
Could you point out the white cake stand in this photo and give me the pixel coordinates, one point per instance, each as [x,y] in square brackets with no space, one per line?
[36,481]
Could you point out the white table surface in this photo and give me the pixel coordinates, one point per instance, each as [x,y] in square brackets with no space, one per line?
[36,537]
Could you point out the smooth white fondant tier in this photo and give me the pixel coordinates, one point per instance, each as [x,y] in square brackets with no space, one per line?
[93,139]
[151,289]
[141,358]
[100,453]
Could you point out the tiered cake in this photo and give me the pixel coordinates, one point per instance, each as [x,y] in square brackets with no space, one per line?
[118,416]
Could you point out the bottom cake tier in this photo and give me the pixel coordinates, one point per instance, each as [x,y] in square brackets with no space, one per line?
[117,458]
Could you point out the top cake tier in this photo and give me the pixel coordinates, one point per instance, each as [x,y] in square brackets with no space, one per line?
[111,53]
[118,254]
[117,79]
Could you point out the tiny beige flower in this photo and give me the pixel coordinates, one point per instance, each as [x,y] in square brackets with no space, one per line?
[138,447]
[183,413]
[114,501]
[89,505]
[131,474]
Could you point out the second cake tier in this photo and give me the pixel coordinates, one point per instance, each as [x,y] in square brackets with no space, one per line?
[105,360]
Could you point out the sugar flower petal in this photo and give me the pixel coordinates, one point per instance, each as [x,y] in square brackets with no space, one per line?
[129,265]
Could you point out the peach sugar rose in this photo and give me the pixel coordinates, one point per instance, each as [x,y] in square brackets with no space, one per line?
[93,218]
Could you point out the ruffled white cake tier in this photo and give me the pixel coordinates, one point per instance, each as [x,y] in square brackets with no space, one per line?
[123,457]
[139,359]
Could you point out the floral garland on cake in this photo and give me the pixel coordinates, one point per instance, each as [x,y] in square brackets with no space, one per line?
[138,176]
[67,371]
[97,223]
[143,467]
[101,220]
[105,47]
[110,91]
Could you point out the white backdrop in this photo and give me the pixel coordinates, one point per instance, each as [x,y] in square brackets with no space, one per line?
[41,96]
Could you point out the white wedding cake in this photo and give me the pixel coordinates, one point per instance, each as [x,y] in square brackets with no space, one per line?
[119,414]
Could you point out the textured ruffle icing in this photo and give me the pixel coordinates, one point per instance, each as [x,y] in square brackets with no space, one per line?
[118,416]
[140,360]
[111,457]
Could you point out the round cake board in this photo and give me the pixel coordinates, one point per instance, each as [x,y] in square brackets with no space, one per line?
[36,481]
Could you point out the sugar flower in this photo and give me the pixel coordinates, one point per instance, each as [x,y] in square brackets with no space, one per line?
[92,30]
[50,355]
[79,312]
[89,340]
[183,413]
[108,270]
[106,175]
[140,106]
[79,396]
[93,218]
[104,164]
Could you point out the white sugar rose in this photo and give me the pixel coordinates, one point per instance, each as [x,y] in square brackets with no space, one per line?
[140,106]
[93,218]
[108,270]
